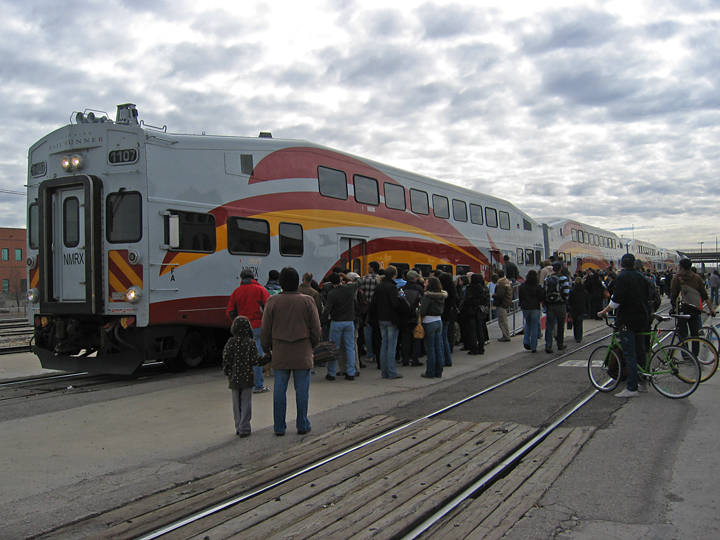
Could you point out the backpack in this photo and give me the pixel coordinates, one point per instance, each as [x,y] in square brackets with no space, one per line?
[553,295]
[689,300]
[654,296]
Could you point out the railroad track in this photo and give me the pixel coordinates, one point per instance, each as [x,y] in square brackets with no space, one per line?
[408,479]
[15,335]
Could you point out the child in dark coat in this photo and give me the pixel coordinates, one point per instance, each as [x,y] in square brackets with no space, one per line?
[239,356]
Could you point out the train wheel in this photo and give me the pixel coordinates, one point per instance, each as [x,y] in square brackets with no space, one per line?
[192,352]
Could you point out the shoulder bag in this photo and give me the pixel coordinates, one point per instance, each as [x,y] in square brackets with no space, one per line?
[419,330]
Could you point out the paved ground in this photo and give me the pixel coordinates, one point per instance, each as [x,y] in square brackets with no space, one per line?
[652,473]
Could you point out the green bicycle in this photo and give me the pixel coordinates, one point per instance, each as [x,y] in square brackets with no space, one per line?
[672,370]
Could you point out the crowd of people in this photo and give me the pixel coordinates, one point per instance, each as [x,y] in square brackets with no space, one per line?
[376,316]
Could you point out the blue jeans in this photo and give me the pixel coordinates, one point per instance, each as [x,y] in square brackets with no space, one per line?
[714,295]
[633,349]
[301,381]
[434,349]
[367,330]
[447,351]
[555,316]
[388,350]
[342,333]
[532,327]
[259,377]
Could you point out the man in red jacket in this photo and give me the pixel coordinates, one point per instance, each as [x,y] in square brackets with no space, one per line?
[249,300]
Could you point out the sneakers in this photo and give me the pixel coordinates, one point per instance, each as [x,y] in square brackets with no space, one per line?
[349,377]
[527,346]
[329,377]
[562,347]
[642,387]
[261,390]
[398,376]
[504,339]
[627,394]
[548,350]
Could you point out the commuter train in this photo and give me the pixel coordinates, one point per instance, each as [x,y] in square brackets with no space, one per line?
[137,236]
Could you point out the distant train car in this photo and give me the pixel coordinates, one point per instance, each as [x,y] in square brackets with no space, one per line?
[136,236]
[580,245]
[652,257]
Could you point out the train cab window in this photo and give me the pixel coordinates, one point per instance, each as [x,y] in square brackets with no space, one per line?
[462,269]
[505,221]
[476,214]
[71,222]
[246,164]
[581,237]
[574,235]
[527,225]
[395,196]
[491,217]
[332,183]
[197,231]
[459,210]
[124,217]
[248,236]
[520,254]
[419,202]
[366,190]
[291,239]
[445,268]
[425,269]
[441,206]
[34,226]
[530,257]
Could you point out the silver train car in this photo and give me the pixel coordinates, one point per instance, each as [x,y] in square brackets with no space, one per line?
[137,236]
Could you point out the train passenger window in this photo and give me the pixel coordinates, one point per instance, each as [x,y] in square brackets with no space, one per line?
[425,269]
[445,268]
[504,220]
[71,222]
[197,231]
[248,236]
[291,239]
[34,226]
[520,254]
[581,237]
[459,210]
[441,207]
[124,217]
[394,196]
[476,214]
[491,217]
[538,256]
[332,183]
[527,225]
[529,257]
[246,164]
[574,235]
[462,269]
[366,190]
[401,267]
[419,202]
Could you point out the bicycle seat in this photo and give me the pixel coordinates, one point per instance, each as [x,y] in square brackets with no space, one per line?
[660,318]
[680,315]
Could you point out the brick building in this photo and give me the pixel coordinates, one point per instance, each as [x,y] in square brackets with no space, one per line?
[13,270]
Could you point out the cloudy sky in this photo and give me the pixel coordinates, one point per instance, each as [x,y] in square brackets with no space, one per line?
[603,111]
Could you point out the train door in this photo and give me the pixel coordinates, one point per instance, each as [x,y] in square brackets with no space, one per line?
[352,254]
[68,240]
[69,237]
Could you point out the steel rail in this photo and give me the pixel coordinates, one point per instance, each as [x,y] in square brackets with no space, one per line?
[259,491]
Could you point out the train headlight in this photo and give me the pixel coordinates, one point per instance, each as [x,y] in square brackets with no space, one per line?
[72,163]
[133,294]
[33,296]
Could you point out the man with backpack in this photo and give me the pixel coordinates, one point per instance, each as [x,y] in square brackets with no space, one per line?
[557,290]
[687,294]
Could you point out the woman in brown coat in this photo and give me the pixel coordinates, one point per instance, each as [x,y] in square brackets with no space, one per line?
[291,330]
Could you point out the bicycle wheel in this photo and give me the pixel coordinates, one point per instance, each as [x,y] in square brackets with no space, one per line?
[706,354]
[604,369]
[674,371]
[712,335]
